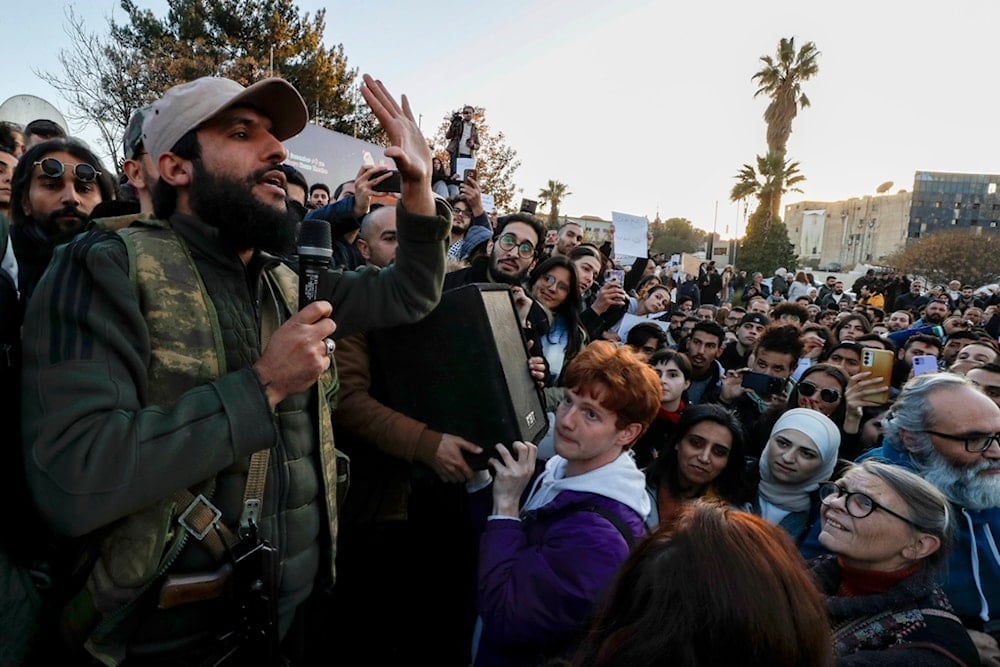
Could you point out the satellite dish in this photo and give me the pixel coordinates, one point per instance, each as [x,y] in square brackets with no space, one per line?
[22,109]
[884,187]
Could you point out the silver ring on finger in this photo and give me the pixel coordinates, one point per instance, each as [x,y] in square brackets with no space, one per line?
[330,345]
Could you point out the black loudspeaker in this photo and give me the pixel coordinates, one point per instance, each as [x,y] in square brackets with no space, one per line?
[463,369]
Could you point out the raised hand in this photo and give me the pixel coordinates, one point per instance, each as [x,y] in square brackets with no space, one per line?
[407,145]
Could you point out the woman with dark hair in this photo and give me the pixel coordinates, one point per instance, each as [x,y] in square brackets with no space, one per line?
[704,458]
[601,305]
[723,588]
[656,300]
[888,530]
[674,370]
[645,284]
[801,453]
[553,286]
[851,327]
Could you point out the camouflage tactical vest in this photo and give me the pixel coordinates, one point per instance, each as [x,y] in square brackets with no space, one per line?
[186,351]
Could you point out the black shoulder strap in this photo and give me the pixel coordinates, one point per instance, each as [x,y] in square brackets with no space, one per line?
[611,517]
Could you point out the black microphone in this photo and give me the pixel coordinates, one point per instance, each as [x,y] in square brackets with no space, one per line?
[315,250]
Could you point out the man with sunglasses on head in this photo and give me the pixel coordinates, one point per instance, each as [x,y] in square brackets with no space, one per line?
[178,389]
[947,431]
[55,187]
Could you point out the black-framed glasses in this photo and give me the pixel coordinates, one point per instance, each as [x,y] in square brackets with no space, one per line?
[525,248]
[808,389]
[859,505]
[974,444]
[461,212]
[550,280]
[53,168]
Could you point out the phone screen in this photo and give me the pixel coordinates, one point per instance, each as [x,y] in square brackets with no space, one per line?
[614,276]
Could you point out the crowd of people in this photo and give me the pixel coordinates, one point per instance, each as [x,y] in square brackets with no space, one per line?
[213,471]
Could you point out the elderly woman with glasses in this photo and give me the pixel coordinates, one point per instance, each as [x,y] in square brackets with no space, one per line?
[889,532]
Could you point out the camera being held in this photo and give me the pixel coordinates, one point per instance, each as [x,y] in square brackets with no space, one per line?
[462,136]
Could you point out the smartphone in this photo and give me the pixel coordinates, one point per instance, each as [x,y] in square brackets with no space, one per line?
[924,363]
[469,173]
[614,276]
[879,363]
[762,383]
[392,184]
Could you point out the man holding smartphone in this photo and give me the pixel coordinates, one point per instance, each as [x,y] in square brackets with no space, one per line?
[467,212]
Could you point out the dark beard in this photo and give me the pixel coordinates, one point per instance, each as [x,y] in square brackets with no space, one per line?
[51,227]
[244,222]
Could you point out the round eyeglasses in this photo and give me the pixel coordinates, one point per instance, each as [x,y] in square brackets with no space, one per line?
[550,280]
[525,248]
[53,168]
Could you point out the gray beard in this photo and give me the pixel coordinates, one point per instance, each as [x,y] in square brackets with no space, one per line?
[963,484]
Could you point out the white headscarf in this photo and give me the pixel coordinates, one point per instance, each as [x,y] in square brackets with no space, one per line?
[824,434]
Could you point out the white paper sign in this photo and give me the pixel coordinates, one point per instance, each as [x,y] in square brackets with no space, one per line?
[630,235]
[488,204]
[463,163]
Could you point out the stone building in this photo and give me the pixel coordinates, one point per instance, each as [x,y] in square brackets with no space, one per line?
[860,230]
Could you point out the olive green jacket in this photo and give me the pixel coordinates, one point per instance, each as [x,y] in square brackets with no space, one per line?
[114,424]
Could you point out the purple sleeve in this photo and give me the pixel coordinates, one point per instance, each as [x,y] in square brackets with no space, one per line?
[542,591]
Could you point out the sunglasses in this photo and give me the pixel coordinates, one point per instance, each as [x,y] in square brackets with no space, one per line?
[525,249]
[53,168]
[808,389]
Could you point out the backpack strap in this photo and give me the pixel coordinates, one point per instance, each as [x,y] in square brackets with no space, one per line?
[608,515]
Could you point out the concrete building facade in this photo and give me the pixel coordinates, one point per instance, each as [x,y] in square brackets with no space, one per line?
[860,230]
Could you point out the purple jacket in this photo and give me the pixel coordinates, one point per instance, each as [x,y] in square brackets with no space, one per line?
[541,578]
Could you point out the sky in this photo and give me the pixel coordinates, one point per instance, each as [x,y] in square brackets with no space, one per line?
[644,106]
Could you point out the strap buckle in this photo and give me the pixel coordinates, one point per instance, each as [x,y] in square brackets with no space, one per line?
[199,517]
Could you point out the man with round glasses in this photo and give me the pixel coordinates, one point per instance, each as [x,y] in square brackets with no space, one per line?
[947,431]
[55,187]
[515,249]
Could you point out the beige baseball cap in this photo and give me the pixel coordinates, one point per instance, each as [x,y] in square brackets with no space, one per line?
[187,106]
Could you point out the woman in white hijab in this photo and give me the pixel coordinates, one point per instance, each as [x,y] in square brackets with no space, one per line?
[801,453]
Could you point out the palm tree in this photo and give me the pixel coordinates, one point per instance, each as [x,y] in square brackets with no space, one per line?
[780,80]
[773,177]
[552,196]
